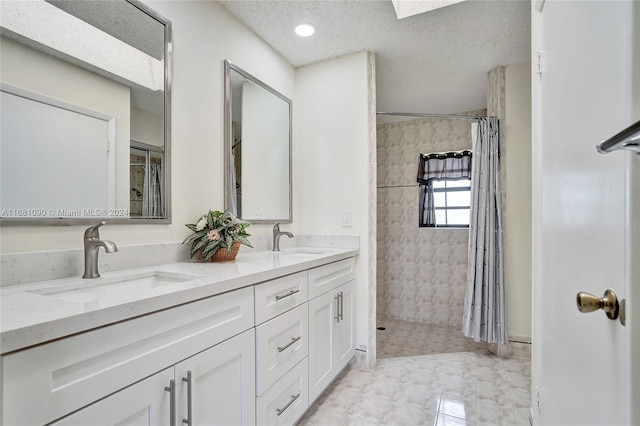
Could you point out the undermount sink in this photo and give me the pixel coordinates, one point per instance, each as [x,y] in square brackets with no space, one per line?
[108,290]
[306,251]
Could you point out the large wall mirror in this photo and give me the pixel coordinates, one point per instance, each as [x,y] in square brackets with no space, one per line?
[257,149]
[85,112]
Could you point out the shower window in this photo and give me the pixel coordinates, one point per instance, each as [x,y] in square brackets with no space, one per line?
[452,200]
[445,189]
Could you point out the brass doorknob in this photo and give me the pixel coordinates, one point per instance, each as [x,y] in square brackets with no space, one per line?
[608,303]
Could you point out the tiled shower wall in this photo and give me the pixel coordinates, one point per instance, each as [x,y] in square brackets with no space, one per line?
[421,272]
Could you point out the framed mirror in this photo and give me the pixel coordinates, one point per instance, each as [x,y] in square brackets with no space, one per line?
[257,149]
[85,112]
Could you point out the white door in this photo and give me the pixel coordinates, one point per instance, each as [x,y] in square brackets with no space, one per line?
[222,384]
[57,169]
[145,403]
[582,237]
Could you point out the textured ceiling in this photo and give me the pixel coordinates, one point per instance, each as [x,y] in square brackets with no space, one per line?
[435,62]
[121,20]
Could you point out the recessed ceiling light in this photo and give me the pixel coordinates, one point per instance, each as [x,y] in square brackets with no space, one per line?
[305,30]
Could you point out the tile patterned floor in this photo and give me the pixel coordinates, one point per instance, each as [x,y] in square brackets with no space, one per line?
[404,338]
[427,375]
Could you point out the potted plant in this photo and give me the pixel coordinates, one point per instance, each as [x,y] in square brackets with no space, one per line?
[217,236]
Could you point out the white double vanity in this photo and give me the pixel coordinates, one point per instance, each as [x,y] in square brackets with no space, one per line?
[250,342]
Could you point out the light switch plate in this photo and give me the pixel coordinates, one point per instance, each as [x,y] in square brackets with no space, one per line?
[346,218]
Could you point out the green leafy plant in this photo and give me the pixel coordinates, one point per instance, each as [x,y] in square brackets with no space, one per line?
[215,231]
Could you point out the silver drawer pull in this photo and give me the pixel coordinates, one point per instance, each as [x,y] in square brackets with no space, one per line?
[291,293]
[172,401]
[293,340]
[293,399]
[188,421]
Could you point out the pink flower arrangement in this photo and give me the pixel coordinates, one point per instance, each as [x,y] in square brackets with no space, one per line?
[216,230]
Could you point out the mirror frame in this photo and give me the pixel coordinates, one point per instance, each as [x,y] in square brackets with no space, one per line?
[168,60]
[228,137]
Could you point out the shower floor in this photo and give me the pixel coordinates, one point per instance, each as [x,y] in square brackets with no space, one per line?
[405,338]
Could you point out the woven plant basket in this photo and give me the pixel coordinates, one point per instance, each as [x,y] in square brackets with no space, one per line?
[222,255]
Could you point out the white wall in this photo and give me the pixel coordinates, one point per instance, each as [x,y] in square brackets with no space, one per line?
[517,134]
[146,127]
[204,34]
[331,161]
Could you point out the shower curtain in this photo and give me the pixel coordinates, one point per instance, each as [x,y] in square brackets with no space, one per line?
[233,183]
[484,305]
[152,199]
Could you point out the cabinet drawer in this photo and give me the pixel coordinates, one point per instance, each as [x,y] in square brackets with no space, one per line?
[280,295]
[70,373]
[328,277]
[280,344]
[287,400]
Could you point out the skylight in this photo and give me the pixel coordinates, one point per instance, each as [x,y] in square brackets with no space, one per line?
[406,8]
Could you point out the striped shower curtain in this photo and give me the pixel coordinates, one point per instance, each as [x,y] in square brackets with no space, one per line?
[152,203]
[484,303]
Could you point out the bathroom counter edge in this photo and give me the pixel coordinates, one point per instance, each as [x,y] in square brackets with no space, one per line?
[28,318]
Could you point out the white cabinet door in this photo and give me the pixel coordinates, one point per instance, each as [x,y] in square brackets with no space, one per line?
[322,317]
[222,384]
[331,336]
[344,343]
[144,403]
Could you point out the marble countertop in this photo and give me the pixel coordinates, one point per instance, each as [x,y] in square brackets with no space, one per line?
[39,312]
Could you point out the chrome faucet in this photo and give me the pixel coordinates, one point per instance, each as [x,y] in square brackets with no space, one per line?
[92,243]
[277,233]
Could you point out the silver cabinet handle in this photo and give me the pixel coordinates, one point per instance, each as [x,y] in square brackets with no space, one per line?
[189,418]
[293,399]
[291,293]
[341,306]
[337,317]
[293,340]
[172,402]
